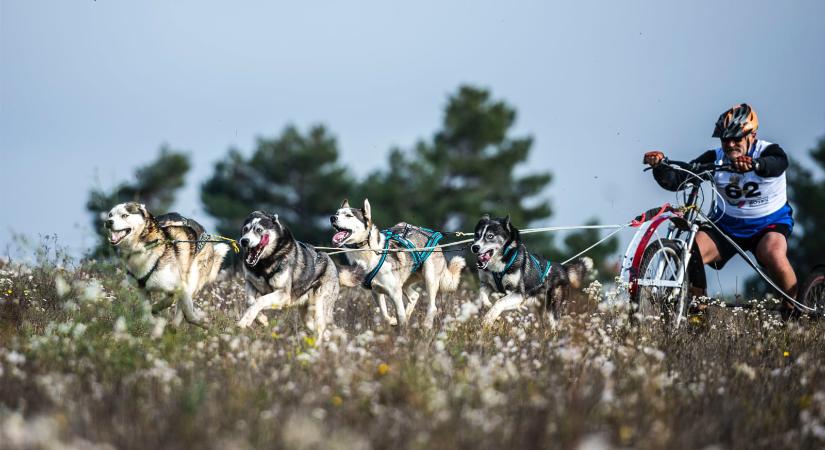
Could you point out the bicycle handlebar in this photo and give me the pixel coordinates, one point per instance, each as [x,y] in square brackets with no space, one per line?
[697,168]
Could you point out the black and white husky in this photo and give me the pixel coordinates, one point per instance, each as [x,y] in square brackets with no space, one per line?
[394,274]
[281,272]
[517,277]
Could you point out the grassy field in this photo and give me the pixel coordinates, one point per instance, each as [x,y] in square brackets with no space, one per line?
[84,364]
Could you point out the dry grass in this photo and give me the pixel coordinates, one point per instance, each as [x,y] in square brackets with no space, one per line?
[84,364]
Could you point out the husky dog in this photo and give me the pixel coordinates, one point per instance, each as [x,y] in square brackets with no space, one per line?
[394,273]
[507,270]
[165,254]
[282,272]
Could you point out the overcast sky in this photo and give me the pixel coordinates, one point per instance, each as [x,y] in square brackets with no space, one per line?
[89,90]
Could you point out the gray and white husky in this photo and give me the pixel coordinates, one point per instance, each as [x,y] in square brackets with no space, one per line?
[516,277]
[165,254]
[281,272]
[394,274]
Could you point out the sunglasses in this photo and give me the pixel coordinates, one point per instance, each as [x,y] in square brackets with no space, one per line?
[726,141]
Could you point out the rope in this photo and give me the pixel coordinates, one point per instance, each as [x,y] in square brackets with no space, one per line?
[338,250]
[543,229]
[596,244]
[437,248]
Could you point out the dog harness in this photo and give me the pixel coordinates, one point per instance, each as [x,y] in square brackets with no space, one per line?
[498,277]
[142,280]
[418,257]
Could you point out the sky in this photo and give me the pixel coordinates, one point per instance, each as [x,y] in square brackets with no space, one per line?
[89,90]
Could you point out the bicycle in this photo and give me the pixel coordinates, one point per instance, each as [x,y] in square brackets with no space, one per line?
[657,268]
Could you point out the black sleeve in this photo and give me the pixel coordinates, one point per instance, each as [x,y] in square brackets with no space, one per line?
[772,163]
[672,179]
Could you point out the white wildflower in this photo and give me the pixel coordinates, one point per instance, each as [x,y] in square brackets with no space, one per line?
[61,286]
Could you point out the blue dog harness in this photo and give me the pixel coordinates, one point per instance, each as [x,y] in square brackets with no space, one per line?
[499,276]
[418,257]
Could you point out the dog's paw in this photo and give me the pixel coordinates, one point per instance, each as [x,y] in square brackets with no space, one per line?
[393,321]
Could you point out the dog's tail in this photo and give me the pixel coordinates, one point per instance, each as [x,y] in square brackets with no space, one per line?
[350,276]
[578,270]
[451,276]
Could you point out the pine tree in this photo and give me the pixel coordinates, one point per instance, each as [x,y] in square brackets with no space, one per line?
[469,168]
[295,176]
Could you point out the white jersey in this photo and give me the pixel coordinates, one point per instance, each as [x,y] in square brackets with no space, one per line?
[748,195]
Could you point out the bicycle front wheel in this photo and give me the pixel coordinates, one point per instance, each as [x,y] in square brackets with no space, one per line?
[660,292]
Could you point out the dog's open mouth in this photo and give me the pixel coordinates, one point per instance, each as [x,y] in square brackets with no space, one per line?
[484,259]
[117,236]
[254,254]
[340,236]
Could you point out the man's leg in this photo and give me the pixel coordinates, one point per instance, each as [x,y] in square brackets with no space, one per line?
[772,252]
[707,249]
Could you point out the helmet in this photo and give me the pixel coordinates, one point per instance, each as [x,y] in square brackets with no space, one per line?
[736,122]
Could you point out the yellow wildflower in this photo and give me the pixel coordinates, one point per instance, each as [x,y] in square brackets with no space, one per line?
[383,368]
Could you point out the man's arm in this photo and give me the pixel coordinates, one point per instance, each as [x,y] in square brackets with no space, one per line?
[772,163]
[672,179]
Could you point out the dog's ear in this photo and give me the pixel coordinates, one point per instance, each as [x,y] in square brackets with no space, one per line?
[512,231]
[345,204]
[367,212]
[274,218]
[485,216]
[136,208]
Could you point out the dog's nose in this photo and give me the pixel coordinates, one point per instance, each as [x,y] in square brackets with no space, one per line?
[110,223]
[475,248]
[333,219]
[244,242]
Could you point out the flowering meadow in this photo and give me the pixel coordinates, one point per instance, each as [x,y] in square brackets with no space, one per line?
[84,364]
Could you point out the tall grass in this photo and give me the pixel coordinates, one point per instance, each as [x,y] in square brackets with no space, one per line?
[83,363]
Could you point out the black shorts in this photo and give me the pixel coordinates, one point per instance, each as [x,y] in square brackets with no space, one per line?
[726,250]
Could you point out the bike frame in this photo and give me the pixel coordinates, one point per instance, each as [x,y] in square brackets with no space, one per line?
[681,228]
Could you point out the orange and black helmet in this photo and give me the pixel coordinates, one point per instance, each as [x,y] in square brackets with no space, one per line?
[736,122]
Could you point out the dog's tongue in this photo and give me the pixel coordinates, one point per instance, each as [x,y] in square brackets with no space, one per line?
[484,257]
[339,236]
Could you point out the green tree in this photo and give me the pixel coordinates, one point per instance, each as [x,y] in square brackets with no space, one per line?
[296,176]
[807,245]
[468,168]
[154,184]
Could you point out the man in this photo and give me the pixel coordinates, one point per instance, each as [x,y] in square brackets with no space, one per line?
[755,212]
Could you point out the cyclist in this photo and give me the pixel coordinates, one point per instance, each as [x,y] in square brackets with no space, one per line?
[755,212]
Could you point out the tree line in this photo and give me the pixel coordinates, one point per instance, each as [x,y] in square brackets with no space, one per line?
[471,165]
